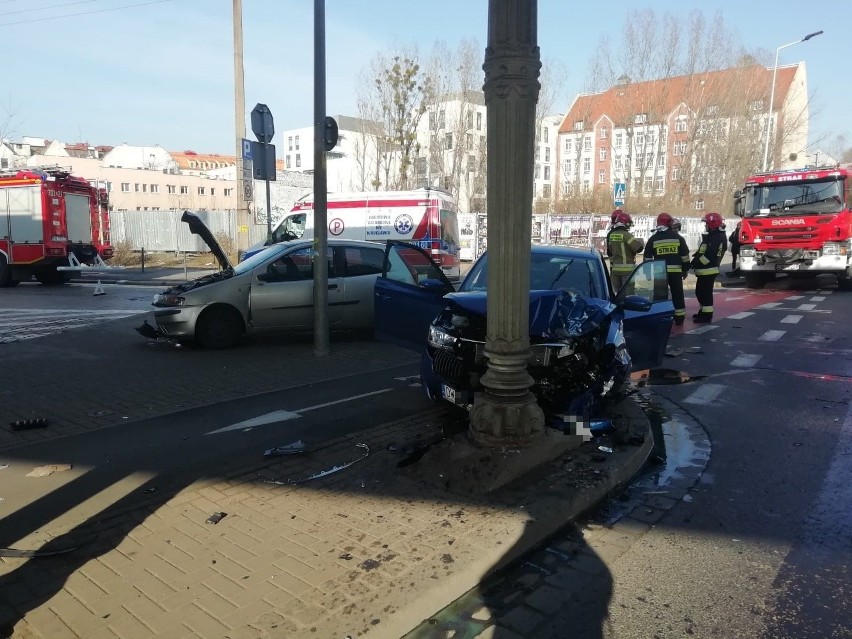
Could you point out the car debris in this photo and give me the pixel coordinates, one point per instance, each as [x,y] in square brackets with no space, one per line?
[293,448]
[44,471]
[324,473]
[606,449]
[15,553]
[674,352]
[215,518]
[30,424]
[4,466]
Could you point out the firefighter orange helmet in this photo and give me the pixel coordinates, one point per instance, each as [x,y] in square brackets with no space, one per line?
[664,219]
[624,218]
[713,221]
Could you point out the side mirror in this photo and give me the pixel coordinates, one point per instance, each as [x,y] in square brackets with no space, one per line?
[738,194]
[433,285]
[263,277]
[636,303]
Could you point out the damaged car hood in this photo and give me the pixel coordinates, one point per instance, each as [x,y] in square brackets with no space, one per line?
[554,315]
[199,228]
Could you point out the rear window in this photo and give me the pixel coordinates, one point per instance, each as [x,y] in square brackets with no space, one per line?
[450,229]
[549,272]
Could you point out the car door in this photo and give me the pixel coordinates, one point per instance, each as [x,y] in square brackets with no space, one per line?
[362,265]
[408,295]
[282,292]
[648,314]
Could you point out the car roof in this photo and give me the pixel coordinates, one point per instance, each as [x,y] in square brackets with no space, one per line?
[566,251]
[333,242]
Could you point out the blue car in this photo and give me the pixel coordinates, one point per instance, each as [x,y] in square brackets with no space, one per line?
[585,338]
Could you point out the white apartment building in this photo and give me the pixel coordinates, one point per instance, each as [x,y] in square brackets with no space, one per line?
[546,152]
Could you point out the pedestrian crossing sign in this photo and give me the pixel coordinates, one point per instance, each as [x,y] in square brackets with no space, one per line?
[618,193]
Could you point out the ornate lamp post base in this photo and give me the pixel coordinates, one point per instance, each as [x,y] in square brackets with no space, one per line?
[500,422]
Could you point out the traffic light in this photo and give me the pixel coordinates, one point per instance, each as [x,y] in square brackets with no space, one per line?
[330,134]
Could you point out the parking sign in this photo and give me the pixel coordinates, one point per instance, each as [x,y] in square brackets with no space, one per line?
[247,155]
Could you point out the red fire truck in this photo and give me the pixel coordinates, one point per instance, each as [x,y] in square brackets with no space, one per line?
[50,219]
[797,222]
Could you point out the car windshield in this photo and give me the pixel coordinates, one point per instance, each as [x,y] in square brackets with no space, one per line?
[794,199]
[259,258]
[548,271]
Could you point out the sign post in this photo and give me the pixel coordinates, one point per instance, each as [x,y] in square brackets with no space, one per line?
[263,155]
[618,191]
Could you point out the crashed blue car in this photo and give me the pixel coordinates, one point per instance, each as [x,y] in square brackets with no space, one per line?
[585,338]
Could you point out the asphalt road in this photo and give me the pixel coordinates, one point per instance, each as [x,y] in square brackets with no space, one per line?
[763,549]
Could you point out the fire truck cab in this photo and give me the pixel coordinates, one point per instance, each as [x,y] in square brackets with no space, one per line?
[796,222]
[50,219]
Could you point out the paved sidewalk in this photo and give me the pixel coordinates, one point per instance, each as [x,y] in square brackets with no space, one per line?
[366,551]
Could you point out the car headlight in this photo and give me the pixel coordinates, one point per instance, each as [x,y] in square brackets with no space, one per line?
[834,248]
[438,337]
[747,251]
[165,299]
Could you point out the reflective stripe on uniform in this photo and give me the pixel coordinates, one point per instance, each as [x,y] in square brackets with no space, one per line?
[704,260]
[706,309]
[707,271]
[666,247]
[623,268]
[673,268]
[680,312]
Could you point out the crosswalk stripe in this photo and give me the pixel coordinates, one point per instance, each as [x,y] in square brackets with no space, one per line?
[772,336]
[745,360]
[792,319]
[818,298]
[742,315]
[806,307]
[705,394]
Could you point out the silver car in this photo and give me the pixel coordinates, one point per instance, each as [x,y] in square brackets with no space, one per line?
[270,291]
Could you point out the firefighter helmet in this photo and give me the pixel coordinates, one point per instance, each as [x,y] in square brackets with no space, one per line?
[713,221]
[676,224]
[664,219]
[623,219]
[615,214]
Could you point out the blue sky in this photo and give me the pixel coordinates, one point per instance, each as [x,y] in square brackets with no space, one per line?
[162,73]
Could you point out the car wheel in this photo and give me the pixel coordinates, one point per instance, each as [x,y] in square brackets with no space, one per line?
[51,277]
[5,273]
[219,327]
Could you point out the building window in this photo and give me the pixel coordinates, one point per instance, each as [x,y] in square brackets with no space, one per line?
[184,190]
[545,133]
[567,166]
[619,164]
[680,126]
[471,163]
[640,118]
[639,140]
[679,148]
[547,173]
[661,161]
[298,160]
[125,187]
[482,142]
[171,188]
[756,105]
[659,180]
[155,208]
[587,165]
[546,191]
[586,186]
[698,205]
[228,192]
[602,153]
[441,119]
[433,121]
[601,177]
[664,136]
[537,172]
[212,191]
[469,138]
[618,138]
[155,188]
[547,154]
[202,190]
[537,153]
[287,161]
[604,132]
[144,188]
[640,160]
[478,121]
[290,143]
[578,125]
[713,109]
[136,187]
[568,145]
[676,173]
[647,185]
[297,143]
[469,119]
[587,143]
[448,142]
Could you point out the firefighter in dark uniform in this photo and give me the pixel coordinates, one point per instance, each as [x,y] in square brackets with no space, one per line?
[666,244]
[621,249]
[706,263]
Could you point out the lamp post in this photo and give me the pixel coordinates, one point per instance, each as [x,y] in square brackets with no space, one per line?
[772,94]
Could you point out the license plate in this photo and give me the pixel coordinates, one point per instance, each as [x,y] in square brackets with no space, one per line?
[448,393]
[787,267]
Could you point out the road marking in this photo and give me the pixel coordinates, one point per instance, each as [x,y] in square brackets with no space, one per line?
[738,297]
[18,324]
[772,336]
[806,307]
[770,305]
[818,298]
[706,394]
[285,415]
[796,297]
[745,360]
[826,292]
[742,315]
[410,378]
[702,329]
[792,319]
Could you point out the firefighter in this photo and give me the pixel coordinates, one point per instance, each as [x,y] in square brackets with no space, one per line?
[666,244]
[734,240]
[676,225]
[706,263]
[622,248]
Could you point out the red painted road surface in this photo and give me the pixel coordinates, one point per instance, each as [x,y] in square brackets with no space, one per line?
[727,302]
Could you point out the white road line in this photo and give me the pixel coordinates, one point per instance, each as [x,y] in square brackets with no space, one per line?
[826,292]
[796,297]
[286,415]
[770,305]
[742,315]
[745,360]
[71,311]
[738,297]
[792,319]
[772,336]
[818,298]
[701,329]
[705,394]
[806,307]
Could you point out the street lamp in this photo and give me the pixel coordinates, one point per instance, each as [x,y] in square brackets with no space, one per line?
[772,93]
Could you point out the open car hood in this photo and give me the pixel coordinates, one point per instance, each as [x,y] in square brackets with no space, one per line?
[554,315]
[199,228]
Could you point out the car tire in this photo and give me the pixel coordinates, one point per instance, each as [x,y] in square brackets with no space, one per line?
[219,327]
[51,277]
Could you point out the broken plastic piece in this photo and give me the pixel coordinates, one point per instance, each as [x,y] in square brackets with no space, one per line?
[215,518]
[600,425]
[14,552]
[674,352]
[325,473]
[44,471]
[146,330]
[605,449]
[29,424]
[293,448]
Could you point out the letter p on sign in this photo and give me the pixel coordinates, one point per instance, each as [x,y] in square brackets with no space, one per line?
[335,227]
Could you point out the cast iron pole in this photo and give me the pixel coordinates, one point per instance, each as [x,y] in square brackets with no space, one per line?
[320,189]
